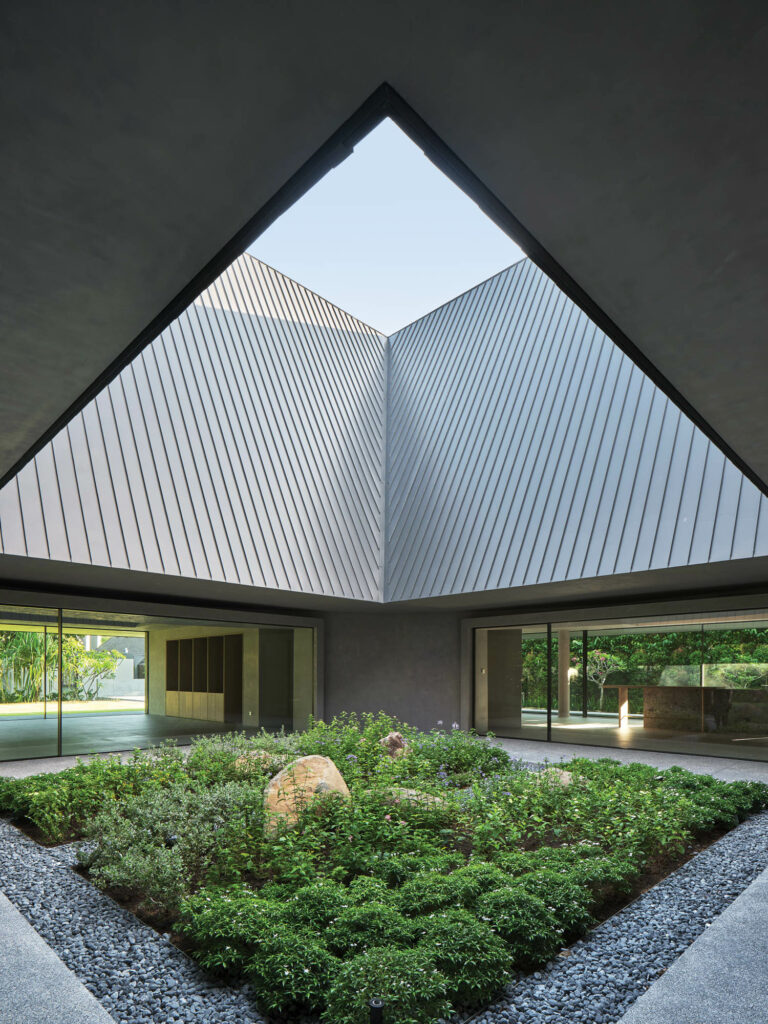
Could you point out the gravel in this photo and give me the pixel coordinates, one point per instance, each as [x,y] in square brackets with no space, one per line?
[139,976]
[598,978]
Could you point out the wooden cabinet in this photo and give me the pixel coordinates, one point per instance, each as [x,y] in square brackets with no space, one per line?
[204,678]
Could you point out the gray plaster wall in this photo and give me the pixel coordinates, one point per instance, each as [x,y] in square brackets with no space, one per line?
[407,664]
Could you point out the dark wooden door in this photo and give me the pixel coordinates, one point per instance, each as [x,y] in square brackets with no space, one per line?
[276,679]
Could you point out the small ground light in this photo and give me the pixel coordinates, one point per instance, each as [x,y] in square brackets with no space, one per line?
[377,1010]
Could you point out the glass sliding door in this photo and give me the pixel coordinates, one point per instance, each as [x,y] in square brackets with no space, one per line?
[82,682]
[511,691]
[28,671]
[679,684]
[734,688]
[103,681]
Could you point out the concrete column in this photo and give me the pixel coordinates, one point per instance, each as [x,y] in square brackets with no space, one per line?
[481,681]
[563,676]
[303,676]
[504,678]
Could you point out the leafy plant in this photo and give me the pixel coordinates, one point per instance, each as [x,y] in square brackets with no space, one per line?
[408,981]
[443,869]
[474,960]
[525,922]
[290,972]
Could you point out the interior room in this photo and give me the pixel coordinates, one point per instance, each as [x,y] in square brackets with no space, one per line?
[79,682]
[691,684]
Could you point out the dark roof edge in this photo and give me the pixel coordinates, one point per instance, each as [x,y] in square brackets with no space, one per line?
[336,149]
[384,102]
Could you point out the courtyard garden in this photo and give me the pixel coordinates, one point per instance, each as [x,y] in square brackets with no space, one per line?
[365,858]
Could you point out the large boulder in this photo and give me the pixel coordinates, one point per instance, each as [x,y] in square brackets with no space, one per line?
[394,744]
[300,782]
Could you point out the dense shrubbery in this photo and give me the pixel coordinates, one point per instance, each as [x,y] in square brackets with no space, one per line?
[426,903]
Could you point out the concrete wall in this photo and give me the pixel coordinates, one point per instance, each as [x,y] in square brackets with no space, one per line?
[406,663]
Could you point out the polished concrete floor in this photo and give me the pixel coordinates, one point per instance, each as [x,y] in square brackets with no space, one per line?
[729,769]
[605,731]
[26,738]
[87,734]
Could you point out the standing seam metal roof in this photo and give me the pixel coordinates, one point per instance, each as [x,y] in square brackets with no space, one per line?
[267,438]
[244,445]
[525,447]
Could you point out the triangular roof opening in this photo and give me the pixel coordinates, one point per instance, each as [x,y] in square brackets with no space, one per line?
[386,235]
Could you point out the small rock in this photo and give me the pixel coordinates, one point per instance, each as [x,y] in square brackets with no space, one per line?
[253,761]
[558,776]
[394,744]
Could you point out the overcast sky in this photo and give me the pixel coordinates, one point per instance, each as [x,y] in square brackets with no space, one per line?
[386,236]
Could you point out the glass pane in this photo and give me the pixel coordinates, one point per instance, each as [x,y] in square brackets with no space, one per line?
[511,681]
[28,709]
[134,680]
[734,704]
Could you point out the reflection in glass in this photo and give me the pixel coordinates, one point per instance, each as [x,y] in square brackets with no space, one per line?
[677,685]
[118,681]
[735,683]
[28,712]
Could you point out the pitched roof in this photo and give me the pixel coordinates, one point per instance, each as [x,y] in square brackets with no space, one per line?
[244,445]
[247,444]
[524,447]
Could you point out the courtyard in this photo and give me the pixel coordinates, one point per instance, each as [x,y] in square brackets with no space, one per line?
[539,959]
[383,513]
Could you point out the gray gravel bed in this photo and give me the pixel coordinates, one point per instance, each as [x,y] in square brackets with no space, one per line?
[138,975]
[141,978]
[600,976]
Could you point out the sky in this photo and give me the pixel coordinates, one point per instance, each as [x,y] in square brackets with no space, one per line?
[386,236]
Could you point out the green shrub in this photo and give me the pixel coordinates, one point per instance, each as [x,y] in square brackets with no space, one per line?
[408,981]
[352,743]
[395,867]
[61,804]
[314,906]
[360,928]
[165,844]
[225,926]
[429,891]
[454,757]
[474,960]
[524,922]
[475,878]
[290,972]
[365,889]
[565,895]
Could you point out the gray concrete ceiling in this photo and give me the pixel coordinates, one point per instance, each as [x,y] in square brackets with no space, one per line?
[629,140]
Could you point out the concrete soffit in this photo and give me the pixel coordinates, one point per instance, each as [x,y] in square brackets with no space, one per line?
[402,523]
[384,102]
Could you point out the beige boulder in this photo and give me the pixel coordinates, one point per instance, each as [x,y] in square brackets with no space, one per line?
[556,776]
[401,795]
[254,761]
[394,744]
[299,783]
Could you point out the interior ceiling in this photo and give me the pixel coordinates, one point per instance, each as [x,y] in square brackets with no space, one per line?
[629,140]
